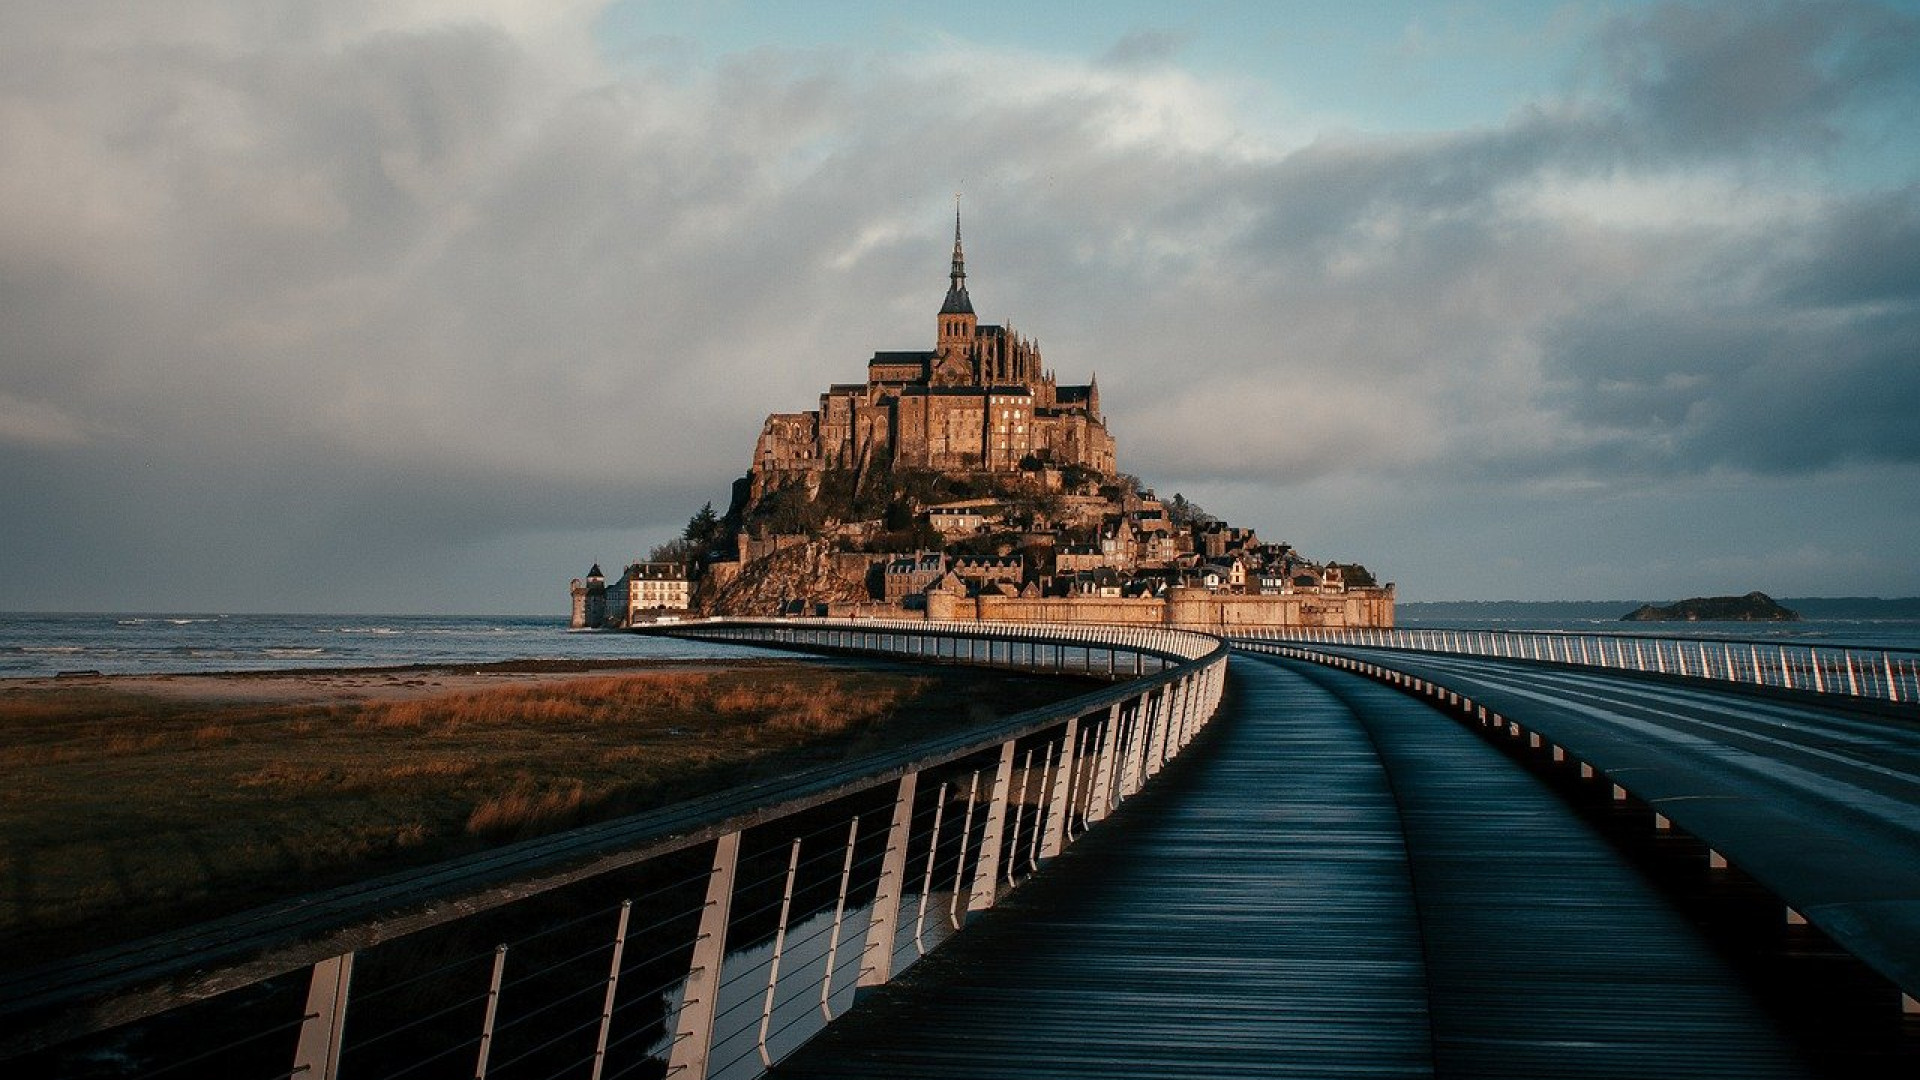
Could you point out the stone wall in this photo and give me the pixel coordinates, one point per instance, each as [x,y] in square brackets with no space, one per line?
[1187,608]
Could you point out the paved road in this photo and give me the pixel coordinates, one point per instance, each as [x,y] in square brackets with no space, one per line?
[1336,881]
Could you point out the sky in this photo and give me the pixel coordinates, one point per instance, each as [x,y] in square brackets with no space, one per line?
[426,305]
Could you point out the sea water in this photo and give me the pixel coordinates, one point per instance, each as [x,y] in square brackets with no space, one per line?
[1889,634]
[39,645]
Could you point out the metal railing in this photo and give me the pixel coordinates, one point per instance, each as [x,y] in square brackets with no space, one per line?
[1891,675]
[702,940]
[1056,647]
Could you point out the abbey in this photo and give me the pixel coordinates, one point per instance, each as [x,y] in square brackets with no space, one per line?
[964,482]
[980,400]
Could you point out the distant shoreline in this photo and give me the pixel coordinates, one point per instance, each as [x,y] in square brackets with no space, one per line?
[1810,608]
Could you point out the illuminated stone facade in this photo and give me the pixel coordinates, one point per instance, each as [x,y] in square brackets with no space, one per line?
[981,400]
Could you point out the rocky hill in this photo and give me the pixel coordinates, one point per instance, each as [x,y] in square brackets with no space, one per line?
[801,575]
[1753,607]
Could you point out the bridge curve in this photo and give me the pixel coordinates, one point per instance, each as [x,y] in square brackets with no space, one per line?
[660,917]
[1336,881]
[1420,977]
[1816,799]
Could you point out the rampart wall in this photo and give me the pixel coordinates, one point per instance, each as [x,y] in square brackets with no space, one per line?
[1186,608]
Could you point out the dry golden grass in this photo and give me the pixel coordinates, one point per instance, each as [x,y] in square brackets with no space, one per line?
[124,814]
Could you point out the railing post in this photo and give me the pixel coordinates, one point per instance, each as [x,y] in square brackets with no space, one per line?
[986,868]
[317,1054]
[883,926]
[693,1031]
[926,887]
[960,860]
[1040,809]
[1158,732]
[493,1012]
[779,950]
[1019,812]
[1183,725]
[839,916]
[1135,756]
[613,989]
[1099,802]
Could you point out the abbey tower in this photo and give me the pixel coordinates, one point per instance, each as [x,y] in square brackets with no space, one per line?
[981,400]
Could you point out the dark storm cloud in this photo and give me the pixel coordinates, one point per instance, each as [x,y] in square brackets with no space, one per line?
[1865,251]
[1686,392]
[1796,353]
[386,284]
[1731,77]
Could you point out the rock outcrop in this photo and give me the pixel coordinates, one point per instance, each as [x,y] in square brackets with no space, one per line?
[800,577]
[1753,607]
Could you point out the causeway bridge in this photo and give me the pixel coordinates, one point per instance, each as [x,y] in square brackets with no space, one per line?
[1375,853]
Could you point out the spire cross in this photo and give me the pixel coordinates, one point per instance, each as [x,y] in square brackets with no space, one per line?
[959,257]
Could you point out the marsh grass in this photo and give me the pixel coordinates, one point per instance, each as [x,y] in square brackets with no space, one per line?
[123,814]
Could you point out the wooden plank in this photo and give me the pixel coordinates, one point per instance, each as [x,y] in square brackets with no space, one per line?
[1263,912]
[1247,915]
[1547,954]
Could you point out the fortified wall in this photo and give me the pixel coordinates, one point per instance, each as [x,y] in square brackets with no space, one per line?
[1182,607]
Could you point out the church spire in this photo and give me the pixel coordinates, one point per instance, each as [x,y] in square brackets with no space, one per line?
[959,256]
[958,303]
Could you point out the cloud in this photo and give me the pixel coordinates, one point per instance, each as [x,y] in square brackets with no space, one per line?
[39,424]
[458,274]
[1722,78]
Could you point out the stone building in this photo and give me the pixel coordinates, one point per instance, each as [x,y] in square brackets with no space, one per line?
[643,589]
[590,600]
[981,399]
[907,576]
[649,587]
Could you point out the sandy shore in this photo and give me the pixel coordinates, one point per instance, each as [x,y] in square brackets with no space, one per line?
[318,686]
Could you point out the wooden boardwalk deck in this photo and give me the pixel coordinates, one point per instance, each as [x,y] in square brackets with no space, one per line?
[1311,893]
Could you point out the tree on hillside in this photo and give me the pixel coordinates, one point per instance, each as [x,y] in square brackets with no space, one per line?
[703,529]
[1183,513]
[695,543]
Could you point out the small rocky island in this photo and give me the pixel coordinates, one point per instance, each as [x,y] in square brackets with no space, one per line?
[1753,607]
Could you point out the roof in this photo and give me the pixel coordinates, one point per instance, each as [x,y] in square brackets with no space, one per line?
[657,571]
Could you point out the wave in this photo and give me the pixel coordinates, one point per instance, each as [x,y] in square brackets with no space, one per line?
[58,650]
[290,652]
